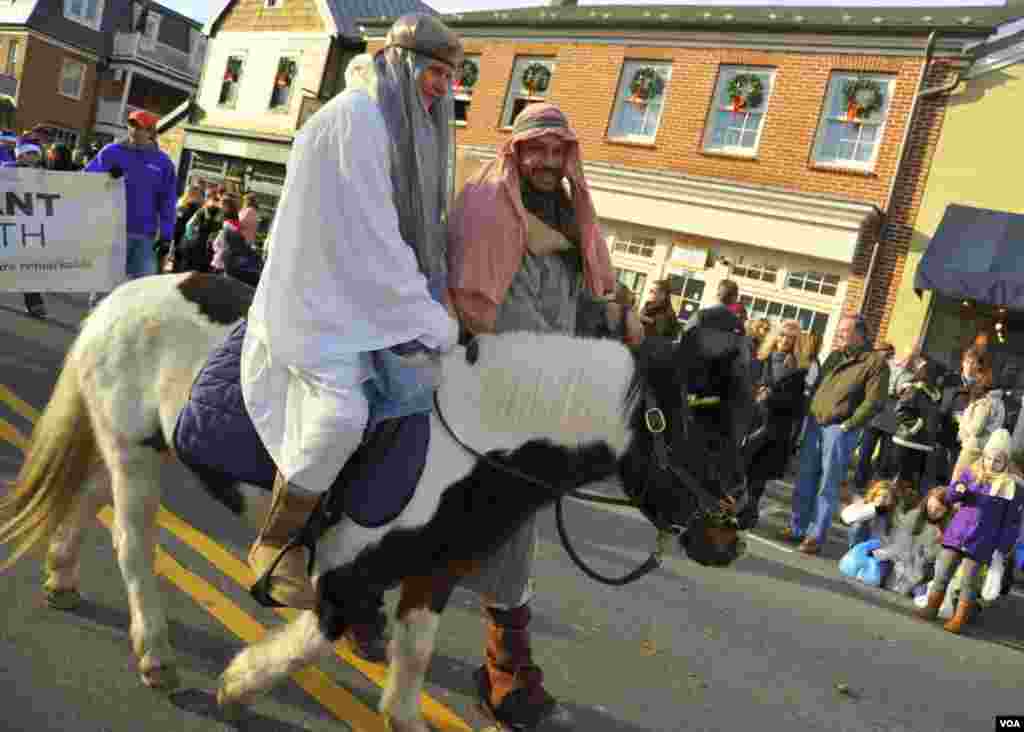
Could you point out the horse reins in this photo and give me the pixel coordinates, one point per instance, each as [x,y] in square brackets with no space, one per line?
[654,420]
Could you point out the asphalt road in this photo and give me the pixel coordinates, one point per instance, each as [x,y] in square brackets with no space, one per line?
[778,642]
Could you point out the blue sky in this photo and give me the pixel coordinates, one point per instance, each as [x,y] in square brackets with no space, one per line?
[200,9]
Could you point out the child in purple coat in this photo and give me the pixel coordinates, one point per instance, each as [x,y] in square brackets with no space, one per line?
[989,520]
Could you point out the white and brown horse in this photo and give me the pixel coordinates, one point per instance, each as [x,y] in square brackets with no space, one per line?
[564,411]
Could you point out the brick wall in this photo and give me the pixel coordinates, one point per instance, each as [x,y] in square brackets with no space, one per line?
[39,101]
[586,81]
[251,15]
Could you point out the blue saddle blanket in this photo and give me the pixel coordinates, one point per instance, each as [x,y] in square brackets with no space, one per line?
[216,439]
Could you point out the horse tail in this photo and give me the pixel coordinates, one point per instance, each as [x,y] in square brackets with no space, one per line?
[60,454]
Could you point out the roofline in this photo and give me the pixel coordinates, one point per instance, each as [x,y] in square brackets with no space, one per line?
[321,5]
[164,10]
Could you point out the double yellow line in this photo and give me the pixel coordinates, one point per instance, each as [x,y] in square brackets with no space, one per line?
[336,699]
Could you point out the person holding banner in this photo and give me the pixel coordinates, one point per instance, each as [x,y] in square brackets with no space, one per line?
[150,187]
[28,153]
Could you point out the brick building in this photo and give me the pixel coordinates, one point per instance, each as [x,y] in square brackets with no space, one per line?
[78,67]
[722,141]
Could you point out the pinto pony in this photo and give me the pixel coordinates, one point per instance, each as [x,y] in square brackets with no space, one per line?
[563,411]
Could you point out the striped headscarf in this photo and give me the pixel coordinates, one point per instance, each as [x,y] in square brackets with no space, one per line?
[487,228]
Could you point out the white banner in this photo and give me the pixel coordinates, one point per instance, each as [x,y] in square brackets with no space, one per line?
[61,232]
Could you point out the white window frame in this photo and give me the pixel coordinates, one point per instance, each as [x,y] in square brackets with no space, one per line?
[831,114]
[296,58]
[238,84]
[786,311]
[461,95]
[688,305]
[746,270]
[629,69]
[627,244]
[81,79]
[83,19]
[515,90]
[11,67]
[807,277]
[720,103]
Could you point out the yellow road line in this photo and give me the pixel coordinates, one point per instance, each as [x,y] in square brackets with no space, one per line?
[436,713]
[234,618]
[10,433]
[312,680]
[18,405]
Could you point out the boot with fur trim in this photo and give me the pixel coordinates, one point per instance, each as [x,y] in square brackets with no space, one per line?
[510,685]
[288,513]
[931,610]
[962,616]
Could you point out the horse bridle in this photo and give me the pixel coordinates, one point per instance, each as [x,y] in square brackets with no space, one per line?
[656,424]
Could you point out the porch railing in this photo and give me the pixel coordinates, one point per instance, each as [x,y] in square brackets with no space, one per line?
[133,45]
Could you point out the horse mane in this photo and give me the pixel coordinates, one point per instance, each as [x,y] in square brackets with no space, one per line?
[522,386]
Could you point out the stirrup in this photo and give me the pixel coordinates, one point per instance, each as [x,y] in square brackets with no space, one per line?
[260,590]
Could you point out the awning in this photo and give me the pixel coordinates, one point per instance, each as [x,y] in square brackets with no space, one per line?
[976,254]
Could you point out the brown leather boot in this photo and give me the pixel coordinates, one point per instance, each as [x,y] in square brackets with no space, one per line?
[931,610]
[510,685]
[961,617]
[289,510]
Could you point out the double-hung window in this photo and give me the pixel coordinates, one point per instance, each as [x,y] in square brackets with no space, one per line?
[232,81]
[738,110]
[531,82]
[853,120]
[640,101]
[462,87]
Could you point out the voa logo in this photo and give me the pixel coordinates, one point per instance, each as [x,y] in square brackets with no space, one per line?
[1011,723]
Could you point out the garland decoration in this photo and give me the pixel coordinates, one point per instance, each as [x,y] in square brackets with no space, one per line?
[863,98]
[746,92]
[469,73]
[647,84]
[233,70]
[536,78]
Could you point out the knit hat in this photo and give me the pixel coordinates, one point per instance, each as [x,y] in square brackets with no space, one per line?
[998,444]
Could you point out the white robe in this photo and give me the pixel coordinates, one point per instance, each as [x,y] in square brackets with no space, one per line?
[339,282]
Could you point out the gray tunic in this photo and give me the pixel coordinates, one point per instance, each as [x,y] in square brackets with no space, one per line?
[546,296]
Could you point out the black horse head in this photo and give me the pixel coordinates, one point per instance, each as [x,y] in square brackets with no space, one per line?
[695,406]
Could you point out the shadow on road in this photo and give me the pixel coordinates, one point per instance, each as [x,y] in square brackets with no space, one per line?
[204,704]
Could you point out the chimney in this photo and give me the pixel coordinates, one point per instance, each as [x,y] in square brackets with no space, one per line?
[562,3]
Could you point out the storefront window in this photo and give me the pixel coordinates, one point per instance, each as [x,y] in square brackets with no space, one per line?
[635,281]
[810,320]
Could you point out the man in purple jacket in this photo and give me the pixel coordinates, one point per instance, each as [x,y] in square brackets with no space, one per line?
[149,187]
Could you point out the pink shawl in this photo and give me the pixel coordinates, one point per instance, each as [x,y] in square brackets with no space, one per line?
[487,227]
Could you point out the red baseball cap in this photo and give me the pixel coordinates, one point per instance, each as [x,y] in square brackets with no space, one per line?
[145,120]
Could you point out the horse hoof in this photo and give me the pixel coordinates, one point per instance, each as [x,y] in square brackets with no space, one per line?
[231,710]
[63,599]
[164,678]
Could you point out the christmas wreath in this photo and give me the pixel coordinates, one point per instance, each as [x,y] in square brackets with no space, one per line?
[285,73]
[231,73]
[647,84]
[863,98]
[468,75]
[746,92]
[536,78]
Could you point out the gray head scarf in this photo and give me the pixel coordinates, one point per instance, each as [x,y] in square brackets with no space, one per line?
[421,178]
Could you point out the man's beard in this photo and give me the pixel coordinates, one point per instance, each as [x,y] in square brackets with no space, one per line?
[554,208]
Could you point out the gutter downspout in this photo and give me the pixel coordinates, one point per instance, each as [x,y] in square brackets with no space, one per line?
[929,51]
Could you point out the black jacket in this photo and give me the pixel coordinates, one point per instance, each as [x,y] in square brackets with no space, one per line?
[768,448]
